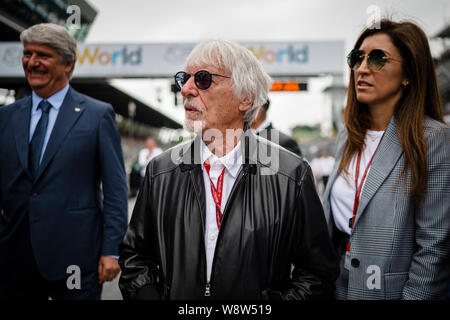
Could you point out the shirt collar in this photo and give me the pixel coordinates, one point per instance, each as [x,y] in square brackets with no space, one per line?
[232,161]
[56,100]
[263,125]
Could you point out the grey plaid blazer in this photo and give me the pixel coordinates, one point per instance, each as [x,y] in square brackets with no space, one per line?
[399,252]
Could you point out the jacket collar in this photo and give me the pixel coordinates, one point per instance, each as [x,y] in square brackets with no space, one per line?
[265,125]
[21,120]
[384,161]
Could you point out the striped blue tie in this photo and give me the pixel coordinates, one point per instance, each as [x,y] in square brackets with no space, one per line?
[38,138]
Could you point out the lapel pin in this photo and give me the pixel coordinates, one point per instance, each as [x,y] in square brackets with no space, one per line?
[77,109]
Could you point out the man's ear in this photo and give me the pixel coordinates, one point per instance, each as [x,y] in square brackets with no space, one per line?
[68,66]
[246,104]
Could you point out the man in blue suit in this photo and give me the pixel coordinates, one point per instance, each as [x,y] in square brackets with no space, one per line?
[63,193]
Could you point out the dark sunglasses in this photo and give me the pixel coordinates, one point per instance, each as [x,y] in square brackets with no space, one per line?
[376,59]
[202,79]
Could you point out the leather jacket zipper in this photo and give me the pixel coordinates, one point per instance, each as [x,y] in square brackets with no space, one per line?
[208,290]
[230,198]
[207,293]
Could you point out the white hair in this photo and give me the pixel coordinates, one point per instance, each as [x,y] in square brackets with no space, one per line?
[54,36]
[248,78]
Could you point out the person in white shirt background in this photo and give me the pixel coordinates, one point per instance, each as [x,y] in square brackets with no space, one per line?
[322,168]
[326,167]
[146,154]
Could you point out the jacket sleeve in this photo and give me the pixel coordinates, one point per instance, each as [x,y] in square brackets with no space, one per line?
[429,271]
[2,212]
[114,185]
[2,128]
[138,255]
[315,262]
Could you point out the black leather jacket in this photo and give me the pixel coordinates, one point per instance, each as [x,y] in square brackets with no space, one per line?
[270,222]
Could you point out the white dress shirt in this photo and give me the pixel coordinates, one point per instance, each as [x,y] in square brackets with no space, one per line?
[342,196]
[233,163]
[326,165]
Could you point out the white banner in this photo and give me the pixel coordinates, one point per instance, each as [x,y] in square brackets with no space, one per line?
[164,60]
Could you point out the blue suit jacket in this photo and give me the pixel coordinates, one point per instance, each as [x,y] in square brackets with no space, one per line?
[61,216]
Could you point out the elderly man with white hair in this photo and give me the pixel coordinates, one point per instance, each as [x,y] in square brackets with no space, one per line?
[228,215]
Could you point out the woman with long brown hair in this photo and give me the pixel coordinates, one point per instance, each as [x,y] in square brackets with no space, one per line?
[388,200]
